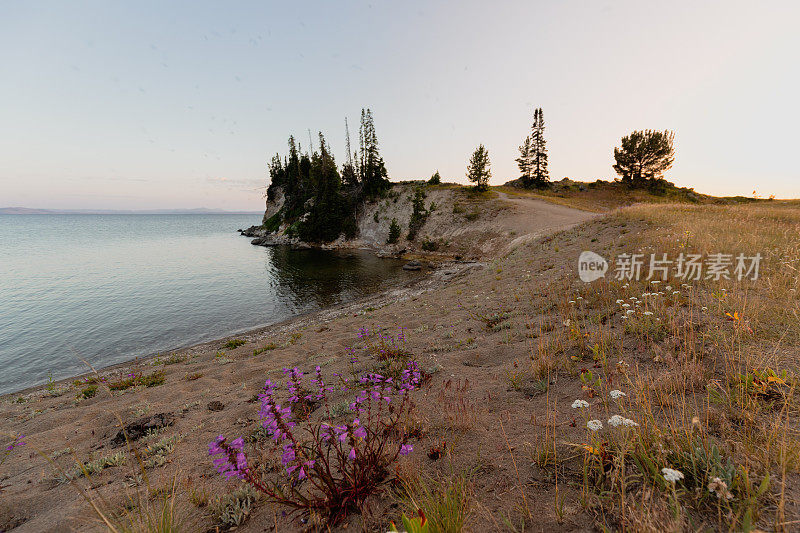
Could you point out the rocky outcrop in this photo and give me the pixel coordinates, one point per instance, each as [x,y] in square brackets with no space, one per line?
[253,231]
[266,240]
[457,223]
[275,203]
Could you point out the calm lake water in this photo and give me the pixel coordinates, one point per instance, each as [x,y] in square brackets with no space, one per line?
[108,288]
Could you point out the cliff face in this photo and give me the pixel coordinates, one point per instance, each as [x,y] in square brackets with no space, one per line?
[458,223]
[274,205]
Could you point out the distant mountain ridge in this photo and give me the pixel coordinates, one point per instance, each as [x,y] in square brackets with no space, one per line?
[195,211]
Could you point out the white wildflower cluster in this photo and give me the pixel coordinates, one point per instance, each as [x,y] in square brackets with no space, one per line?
[617,394]
[578,404]
[672,475]
[619,420]
[594,425]
[636,304]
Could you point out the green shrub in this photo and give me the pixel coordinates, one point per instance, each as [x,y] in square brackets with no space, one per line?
[88,392]
[394,232]
[273,223]
[132,380]
[293,230]
[418,215]
[430,246]
[265,348]
[234,343]
[436,179]
[232,509]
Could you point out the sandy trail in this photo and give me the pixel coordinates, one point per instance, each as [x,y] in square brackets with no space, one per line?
[531,218]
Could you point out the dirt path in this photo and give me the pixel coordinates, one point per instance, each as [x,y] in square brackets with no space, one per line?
[531,218]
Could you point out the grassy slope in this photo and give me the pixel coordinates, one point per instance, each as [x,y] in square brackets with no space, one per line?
[603,196]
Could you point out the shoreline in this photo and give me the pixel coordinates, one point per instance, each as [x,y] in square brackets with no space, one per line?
[433,278]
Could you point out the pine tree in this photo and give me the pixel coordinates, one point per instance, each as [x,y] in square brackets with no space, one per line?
[330,214]
[524,162]
[538,151]
[478,171]
[277,176]
[418,213]
[293,181]
[372,169]
[394,232]
[349,173]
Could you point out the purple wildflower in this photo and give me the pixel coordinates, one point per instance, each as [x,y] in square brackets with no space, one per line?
[16,443]
[232,461]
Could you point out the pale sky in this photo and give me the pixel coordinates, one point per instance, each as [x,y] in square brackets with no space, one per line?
[137,105]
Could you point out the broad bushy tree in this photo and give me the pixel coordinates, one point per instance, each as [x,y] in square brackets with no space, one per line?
[643,156]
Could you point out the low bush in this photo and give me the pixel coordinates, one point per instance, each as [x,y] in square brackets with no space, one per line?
[234,343]
[265,348]
[273,223]
[88,392]
[134,380]
[232,510]
[429,245]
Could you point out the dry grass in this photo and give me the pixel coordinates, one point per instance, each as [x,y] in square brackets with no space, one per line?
[602,197]
[714,394]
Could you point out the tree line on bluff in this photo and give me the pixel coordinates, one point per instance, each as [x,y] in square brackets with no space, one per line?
[321,201]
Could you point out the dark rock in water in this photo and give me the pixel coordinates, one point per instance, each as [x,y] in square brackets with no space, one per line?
[413,265]
[301,246]
[139,428]
[267,240]
[216,405]
[253,231]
